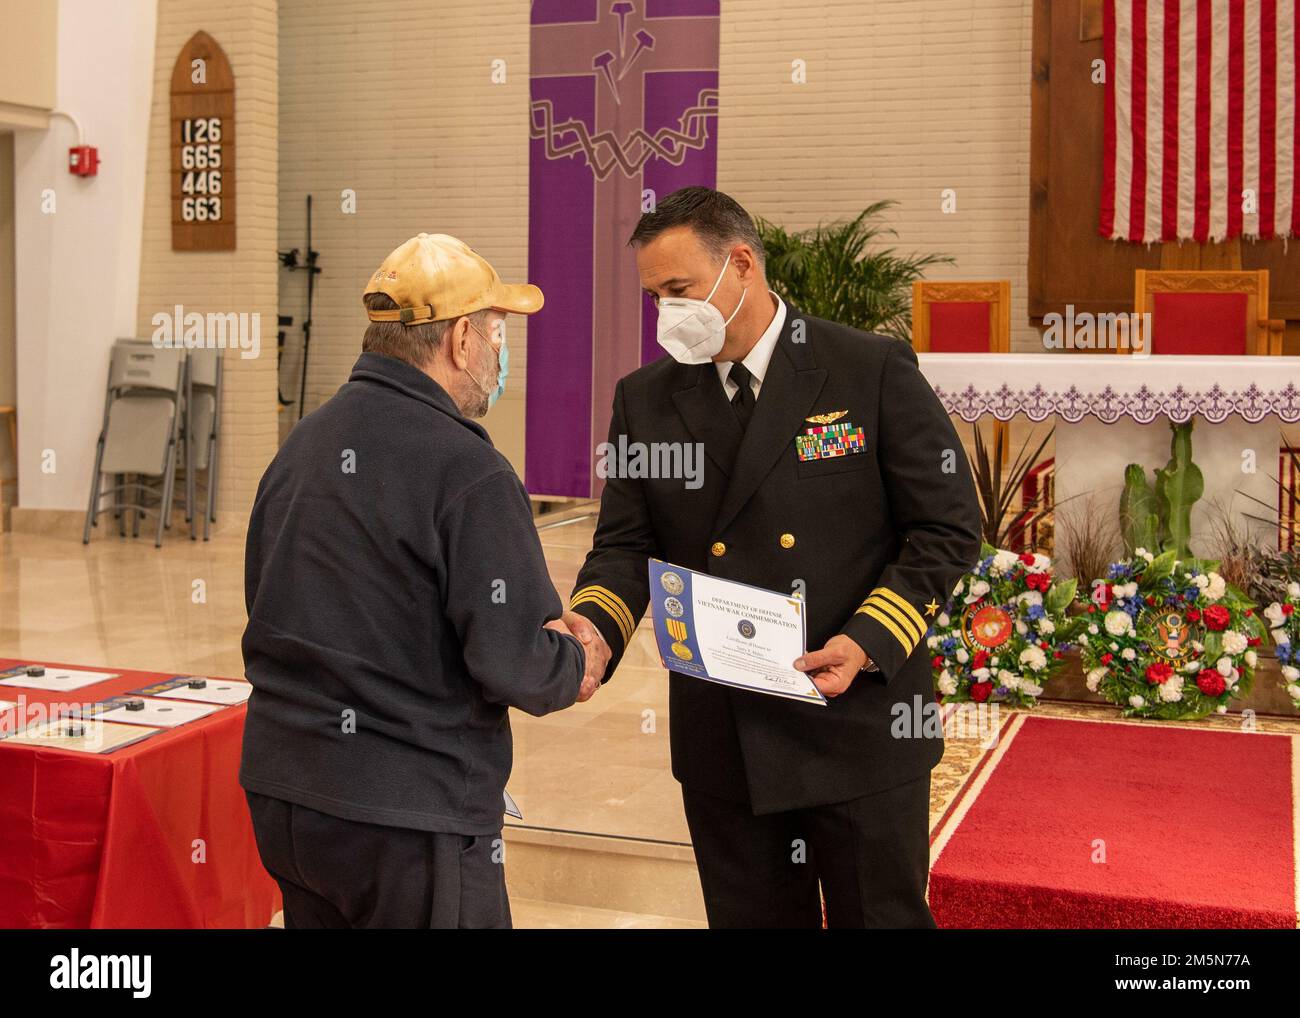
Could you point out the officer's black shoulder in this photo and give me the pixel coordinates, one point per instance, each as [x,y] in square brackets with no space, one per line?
[837,344]
[660,375]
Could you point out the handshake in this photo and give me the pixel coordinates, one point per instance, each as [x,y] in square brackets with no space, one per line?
[594,646]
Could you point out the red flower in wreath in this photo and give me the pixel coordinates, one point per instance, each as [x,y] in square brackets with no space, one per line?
[1159,672]
[979,691]
[1210,683]
[1027,558]
[1038,581]
[1216,617]
[1287,608]
[981,660]
[1193,615]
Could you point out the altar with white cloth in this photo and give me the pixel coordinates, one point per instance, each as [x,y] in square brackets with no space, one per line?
[1111,410]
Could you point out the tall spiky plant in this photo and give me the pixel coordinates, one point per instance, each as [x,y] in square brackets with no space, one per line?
[998,492]
[836,271]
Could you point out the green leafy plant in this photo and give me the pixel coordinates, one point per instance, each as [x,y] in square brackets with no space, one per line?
[1158,517]
[835,271]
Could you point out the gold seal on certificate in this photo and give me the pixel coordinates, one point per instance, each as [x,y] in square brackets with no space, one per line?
[730,633]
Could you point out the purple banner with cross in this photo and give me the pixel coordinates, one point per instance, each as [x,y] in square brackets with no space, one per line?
[624,102]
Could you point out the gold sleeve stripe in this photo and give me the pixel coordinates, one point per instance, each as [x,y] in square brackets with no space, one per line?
[596,599]
[872,611]
[611,603]
[906,605]
[891,609]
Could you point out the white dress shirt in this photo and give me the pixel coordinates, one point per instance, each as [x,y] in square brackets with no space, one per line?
[759,356]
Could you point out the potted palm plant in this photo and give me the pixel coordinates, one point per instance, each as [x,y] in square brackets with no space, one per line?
[836,271]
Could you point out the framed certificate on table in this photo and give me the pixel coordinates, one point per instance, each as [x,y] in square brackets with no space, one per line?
[731,633]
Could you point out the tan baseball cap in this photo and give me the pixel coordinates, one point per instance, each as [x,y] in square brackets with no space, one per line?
[433,277]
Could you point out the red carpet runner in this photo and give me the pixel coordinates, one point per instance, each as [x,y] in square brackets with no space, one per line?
[1198,829]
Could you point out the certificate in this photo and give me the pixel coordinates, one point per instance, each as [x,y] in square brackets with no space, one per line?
[728,632]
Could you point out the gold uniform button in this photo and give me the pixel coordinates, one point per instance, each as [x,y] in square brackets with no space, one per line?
[787,540]
[719,549]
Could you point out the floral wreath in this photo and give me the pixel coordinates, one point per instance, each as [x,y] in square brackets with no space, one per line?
[1283,618]
[1004,632]
[1169,638]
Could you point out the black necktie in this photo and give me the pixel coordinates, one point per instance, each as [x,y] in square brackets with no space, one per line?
[743,401]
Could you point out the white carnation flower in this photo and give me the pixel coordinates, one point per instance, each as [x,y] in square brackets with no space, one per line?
[1032,688]
[1293,589]
[1094,677]
[1022,627]
[947,684]
[1217,587]
[1293,690]
[1030,597]
[1251,659]
[1046,626]
[1224,665]
[1274,614]
[962,656]
[1034,657]
[1118,623]
[1009,679]
[1290,673]
[1128,653]
[1136,701]
[1234,642]
[1221,709]
[979,674]
[1171,691]
[1041,564]
[932,642]
[978,589]
[1005,561]
[1280,636]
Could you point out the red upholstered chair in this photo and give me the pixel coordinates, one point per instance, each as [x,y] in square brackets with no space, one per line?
[961,317]
[1200,312]
[964,317]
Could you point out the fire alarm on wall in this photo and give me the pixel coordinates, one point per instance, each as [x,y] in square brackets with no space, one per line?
[83,160]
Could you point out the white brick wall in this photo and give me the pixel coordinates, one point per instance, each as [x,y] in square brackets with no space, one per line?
[394,99]
[903,99]
[239,280]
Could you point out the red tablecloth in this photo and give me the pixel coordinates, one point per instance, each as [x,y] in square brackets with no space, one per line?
[112,840]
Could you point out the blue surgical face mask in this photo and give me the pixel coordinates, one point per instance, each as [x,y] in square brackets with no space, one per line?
[503,362]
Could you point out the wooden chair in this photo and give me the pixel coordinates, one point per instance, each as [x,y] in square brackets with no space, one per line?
[1204,312]
[964,317]
[961,317]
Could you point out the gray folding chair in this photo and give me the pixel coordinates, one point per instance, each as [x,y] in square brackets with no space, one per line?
[201,425]
[138,437]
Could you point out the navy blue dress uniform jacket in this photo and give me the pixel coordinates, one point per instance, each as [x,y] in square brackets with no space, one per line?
[876,539]
[396,593]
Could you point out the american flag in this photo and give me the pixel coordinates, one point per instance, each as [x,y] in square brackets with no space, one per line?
[1201,133]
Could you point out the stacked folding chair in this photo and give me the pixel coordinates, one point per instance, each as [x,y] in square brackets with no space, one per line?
[201,430]
[139,436]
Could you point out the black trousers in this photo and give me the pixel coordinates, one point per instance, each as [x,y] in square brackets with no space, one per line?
[870,857]
[341,874]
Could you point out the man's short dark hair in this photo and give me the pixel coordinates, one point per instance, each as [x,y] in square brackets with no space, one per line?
[414,344]
[717,219]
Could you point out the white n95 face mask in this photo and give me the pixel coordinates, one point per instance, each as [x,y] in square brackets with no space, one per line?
[693,331]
